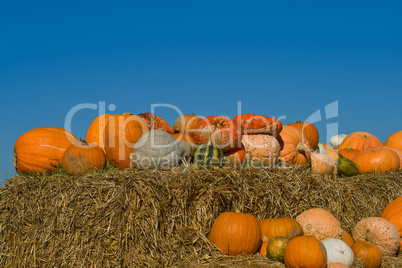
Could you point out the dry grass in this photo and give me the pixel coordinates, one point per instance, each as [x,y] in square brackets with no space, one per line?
[133,218]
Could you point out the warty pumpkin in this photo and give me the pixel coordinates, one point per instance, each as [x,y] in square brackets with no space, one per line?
[376,160]
[236,233]
[305,251]
[395,140]
[96,131]
[78,159]
[360,140]
[294,146]
[258,124]
[393,213]
[368,253]
[309,131]
[41,149]
[261,147]
[156,122]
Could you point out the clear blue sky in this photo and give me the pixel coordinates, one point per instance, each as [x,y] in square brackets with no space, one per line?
[287,59]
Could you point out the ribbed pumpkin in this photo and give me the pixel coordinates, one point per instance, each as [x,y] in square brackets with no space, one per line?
[360,140]
[234,157]
[379,231]
[349,153]
[377,160]
[220,131]
[236,233]
[121,133]
[347,167]
[347,238]
[396,150]
[276,247]
[96,131]
[305,251]
[393,213]
[395,140]
[156,122]
[368,253]
[309,131]
[261,147]
[258,124]
[78,159]
[207,156]
[185,137]
[181,122]
[295,147]
[41,149]
[320,223]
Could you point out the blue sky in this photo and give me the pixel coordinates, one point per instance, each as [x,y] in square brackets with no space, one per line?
[287,59]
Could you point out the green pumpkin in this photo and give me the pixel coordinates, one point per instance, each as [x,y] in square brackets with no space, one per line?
[346,167]
[207,155]
[276,248]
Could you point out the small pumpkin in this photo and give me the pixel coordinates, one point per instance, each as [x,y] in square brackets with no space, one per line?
[336,140]
[156,122]
[294,146]
[338,251]
[276,248]
[207,156]
[379,231]
[236,233]
[368,253]
[395,140]
[347,238]
[286,227]
[349,153]
[181,122]
[321,162]
[309,131]
[336,265]
[320,223]
[305,251]
[261,147]
[377,160]
[360,140]
[78,159]
[96,131]
[41,149]
[347,167]
[234,157]
[258,124]
[393,213]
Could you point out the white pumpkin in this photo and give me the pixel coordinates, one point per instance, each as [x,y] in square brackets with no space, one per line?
[336,140]
[338,251]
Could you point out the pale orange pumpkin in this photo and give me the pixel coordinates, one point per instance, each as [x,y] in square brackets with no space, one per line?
[320,223]
[96,131]
[376,160]
[295,147]
[379,231]
[121,133]
[333,153]
[41,149]
[368,253]
[261,147]
[309,131]
[395,140]
[337,265]
[393,213]
[305,251]
[236,233]
[322,163]
[360,140]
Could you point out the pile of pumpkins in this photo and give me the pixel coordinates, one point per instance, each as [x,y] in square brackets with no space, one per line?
[314,239]
[128,140]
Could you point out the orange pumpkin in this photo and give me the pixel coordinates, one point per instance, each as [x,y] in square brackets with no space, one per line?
[393,213]
[121,133]
[309,131]
[368,253]
[185,137]
[320,223]
[295,147]
[377,160]
[220,131]
[41,149]
[96,131]
[360,140]
[347,238]
[286,227]
[258,124]
[396,150]
[379,231]
[261,147]
[156,122]
[349,153]
[333,153]
[191,125]
[236,233]
[78,159]
[235,157]
[181,122]
[395,140]
[305,251]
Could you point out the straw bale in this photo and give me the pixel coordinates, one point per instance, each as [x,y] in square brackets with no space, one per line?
[145,218]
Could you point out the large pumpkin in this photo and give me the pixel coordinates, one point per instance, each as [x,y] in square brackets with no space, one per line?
[156,122]
[320,223]
[121,133]
[295,147]
[309,131]
[360,140]
[41,149]
[377,160]
[78,159]
[261,147]
[220,131]
[395,140]
[181,121]
[236,233]
[258,124]
[396,150]
[96,131]
[379,231]
[368,253]
[393,213]
[305,251]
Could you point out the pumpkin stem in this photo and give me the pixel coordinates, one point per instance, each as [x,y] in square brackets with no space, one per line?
[83,142]
[298,121]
